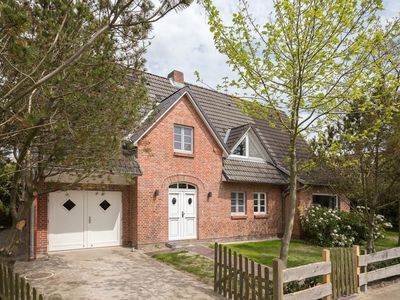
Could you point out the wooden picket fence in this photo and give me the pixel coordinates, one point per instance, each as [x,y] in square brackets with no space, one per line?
[344,271]
[369,276]
[282,276]
[14,287]
[237,277]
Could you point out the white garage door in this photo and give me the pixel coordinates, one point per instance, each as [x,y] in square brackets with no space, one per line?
[84,219]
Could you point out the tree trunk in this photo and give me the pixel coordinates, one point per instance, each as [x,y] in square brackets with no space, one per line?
[398,224]
[371,232]
[9,253]
[291,209]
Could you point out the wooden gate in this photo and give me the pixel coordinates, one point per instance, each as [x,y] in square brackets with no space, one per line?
[344,272]
[240,278]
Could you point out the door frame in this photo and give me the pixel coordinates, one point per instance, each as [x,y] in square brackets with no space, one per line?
[182,191]
[85,217]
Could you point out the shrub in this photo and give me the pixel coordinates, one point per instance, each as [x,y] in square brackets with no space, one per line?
[5,218]
[332,228]
[6,169]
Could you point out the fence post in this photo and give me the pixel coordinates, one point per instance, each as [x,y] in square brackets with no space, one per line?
[326,256]
[215,266]
[277,266]
[364,269]
[356,255]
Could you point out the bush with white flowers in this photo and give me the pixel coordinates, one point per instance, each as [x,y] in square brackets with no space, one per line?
[332,228]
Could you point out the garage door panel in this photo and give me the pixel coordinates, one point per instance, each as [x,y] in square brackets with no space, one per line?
[82,219]
[66,220]
[104,210]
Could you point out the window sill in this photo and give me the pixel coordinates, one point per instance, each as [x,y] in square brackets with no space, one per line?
[260,216]
[238,217]
[183,154]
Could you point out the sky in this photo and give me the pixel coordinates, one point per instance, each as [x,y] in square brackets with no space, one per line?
[182,41]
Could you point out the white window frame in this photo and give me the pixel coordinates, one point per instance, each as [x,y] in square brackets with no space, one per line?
[322,194]
[258,203]
[182,127]
[247,155]
[237,213]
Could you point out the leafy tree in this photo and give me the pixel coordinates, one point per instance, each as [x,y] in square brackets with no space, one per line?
[304,61]
[67,94]
[362,148]
[5,186]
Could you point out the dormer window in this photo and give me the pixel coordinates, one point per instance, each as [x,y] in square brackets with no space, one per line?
[248,147]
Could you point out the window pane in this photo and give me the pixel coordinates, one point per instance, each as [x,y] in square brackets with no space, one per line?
[255,208]
[191,187]
[177,130]
[173,186]
[253,151]
[262,202]
[233,202]
[241,149]
[182,185]
[178,145]
[262,208]
[328,201]
[187,131]
[240,196]
[241,209]
[262,196]
[177,138]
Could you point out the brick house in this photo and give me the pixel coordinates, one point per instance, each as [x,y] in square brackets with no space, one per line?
[203,170]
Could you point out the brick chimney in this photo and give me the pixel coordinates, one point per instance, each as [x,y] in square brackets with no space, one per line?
[176,76]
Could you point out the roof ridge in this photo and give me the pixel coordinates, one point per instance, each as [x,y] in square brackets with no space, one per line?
[177,91]
[194,85]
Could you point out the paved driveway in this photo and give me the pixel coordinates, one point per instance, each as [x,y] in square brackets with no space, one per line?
[111,273]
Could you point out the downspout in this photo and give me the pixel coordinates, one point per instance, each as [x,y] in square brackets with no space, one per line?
[32,210]
[32,231]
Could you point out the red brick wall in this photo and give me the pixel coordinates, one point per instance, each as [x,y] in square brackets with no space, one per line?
[41,231]
[305,201]
[161,167]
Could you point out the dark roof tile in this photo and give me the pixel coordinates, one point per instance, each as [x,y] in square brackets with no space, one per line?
[223,113]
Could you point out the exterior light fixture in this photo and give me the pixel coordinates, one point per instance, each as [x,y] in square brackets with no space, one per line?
[156,193]
[209,195]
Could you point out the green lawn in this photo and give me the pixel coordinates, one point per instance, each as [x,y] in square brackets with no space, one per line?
[300,253]
[200,266]
[389,241]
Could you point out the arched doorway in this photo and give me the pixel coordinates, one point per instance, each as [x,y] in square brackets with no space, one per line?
[182,211]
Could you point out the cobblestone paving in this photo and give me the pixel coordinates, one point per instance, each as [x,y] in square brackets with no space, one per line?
[112,273]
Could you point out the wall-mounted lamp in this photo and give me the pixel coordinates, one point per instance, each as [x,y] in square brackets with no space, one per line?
[209,195]
[156,193]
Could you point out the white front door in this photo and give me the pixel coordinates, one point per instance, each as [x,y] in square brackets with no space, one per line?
[84,219]
[182,214]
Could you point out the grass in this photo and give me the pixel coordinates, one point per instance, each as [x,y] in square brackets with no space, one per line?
[202,267]
[389,241]
[300,253]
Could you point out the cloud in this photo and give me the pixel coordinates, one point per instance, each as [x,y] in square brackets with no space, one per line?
[182,41]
